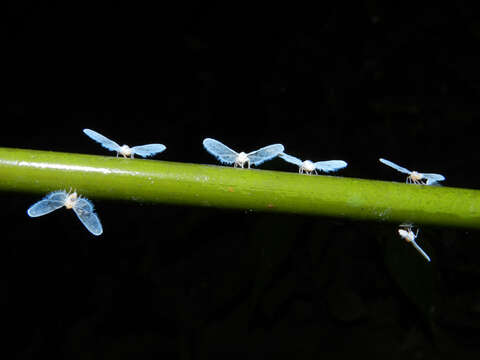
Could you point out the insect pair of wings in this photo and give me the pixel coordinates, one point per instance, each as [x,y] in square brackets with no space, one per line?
[309,166]
[142,150]
[81,206]
[414,176]
[228,156]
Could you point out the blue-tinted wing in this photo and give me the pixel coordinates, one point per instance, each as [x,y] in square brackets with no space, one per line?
[85,212]
[60,195]
[332,165]
[291,159]
[395,166]
[258,157]
[106,142]
[419,249]
[433,178]
[49,203]
[223,153]
[148,150]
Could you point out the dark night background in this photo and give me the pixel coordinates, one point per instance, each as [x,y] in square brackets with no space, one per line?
[352,82]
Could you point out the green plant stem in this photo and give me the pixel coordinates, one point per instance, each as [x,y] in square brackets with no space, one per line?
[108,177]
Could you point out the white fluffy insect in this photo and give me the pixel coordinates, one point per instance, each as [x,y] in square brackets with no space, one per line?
[406,232]
[309,167]
[415,177]
[125,150]
[81,206]
[228,156]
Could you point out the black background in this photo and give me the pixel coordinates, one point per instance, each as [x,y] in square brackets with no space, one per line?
[334,81]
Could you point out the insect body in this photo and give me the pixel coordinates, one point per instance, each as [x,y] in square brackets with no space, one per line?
[228,156]
[406,233]
[81,206]
[415,177]
[309,167]
[125,150]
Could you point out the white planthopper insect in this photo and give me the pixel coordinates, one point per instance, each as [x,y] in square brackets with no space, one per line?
[228,156]
[81,206]
[406,232]
[309,167]
[415,177]
[125,150]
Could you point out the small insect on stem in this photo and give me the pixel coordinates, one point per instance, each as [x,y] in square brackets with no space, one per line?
[308,167]
[125,150]
[406,232]
[415,177]
[228,156]
[71,200]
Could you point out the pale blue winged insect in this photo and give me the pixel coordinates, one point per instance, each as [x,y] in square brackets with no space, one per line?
[415,177]
[406,232]
[228,156]
[81,206]
[309,167]
[125,150]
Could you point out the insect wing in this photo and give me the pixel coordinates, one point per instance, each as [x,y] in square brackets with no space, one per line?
[57,196]
[51,202]
[291,159]
[266,153]
[44,207]
[332,165]
[105,142]
[222,152]
[395,166]
[420,250]
[85,212]
[433,178]
[148,150]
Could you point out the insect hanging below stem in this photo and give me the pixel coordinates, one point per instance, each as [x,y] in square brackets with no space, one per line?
[406,232]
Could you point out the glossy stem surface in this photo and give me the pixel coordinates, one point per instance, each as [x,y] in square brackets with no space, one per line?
[154,181]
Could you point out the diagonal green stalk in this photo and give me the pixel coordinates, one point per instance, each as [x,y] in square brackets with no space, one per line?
[155,181]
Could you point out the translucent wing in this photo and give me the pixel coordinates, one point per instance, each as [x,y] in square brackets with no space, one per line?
[49,203]
[395,166]
[433,178]
[60,195]
[266,153]
[148,150]
[332,165]
[106,142]
[419,249]
[223,153]
[291,159]
[85,212]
